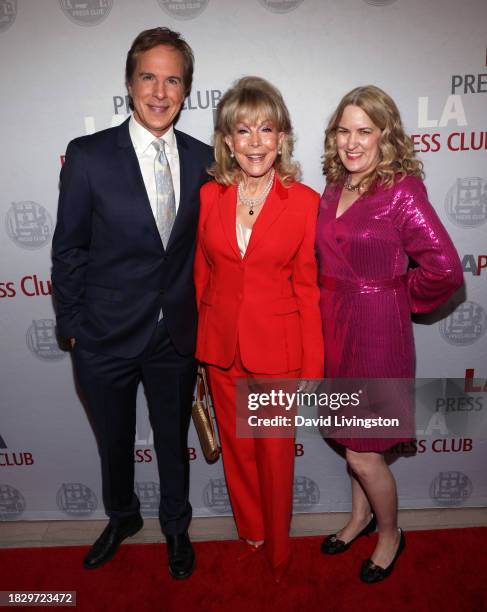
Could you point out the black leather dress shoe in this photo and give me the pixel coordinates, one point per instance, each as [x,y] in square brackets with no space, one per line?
[110,539]
[180,555]
[370,572]
[333,546]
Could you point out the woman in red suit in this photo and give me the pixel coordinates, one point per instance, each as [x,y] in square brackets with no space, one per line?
[258,300]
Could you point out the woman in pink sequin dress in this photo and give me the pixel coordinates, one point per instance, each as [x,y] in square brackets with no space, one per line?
[374,218]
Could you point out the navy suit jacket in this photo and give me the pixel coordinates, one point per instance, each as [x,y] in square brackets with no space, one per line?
[111,274]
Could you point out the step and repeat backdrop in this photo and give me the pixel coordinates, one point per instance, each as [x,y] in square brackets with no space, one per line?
[62,67]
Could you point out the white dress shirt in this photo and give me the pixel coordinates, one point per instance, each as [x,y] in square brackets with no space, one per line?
[142,140]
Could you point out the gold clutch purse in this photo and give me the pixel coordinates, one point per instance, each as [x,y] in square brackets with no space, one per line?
[203,418]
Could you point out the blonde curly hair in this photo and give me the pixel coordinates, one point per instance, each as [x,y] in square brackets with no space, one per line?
[252,99]
[396,152]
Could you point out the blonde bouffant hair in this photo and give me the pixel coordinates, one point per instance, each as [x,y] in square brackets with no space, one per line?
[396,152]
[252,99]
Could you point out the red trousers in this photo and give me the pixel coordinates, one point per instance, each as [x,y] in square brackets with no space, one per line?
[258,471]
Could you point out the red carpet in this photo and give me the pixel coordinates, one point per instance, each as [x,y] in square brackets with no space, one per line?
[439,570]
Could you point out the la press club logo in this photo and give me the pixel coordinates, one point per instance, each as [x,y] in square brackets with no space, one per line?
[29,225]
[42,341]
[8,13]
[280,6]
[466,202]
[76,499]
[183,9]
[474,264]
[30,285]
[144,449]
[451,488]
[14,459]
[380,2]
[87,12]
[149,494]
[306,494]
[12,503]
[432,141]
[201,99]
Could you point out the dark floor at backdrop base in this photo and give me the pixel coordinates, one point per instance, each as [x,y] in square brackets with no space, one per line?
[441,569]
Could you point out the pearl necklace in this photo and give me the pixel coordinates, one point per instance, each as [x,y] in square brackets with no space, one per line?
[260,199]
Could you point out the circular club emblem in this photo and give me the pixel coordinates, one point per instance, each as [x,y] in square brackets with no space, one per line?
[42,342]
[280,6]
[149,494]
[215,496]
[306,493]
[76,499]
[380,2]
[183,9]
[12,503]
[88,12]
[466,324]
[8,13]
[29,225]
[451,488]
[466,202]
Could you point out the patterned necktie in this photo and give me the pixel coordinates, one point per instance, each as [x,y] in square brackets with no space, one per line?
[166,201]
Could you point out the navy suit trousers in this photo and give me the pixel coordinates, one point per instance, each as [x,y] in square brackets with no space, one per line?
[108,387]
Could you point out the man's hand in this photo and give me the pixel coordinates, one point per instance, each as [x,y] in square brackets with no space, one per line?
[72,342]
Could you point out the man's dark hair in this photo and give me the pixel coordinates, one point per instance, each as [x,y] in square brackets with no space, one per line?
[161,36]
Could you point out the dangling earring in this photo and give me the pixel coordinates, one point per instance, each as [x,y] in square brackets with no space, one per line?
[279,151]
[231,154]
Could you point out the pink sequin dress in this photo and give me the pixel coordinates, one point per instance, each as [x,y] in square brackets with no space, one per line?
[368,290]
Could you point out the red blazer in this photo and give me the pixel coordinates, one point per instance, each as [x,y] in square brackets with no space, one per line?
[267,301]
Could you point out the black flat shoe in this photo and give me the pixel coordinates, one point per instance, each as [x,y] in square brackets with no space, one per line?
[370,572]
[110,539]
[180,556]
[331,545]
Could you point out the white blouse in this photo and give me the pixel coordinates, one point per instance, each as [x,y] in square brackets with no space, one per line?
[243,237]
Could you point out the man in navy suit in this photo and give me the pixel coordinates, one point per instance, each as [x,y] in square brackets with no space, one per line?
[123,286]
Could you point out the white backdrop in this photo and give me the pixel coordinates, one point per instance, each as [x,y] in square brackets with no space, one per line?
[62,66]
